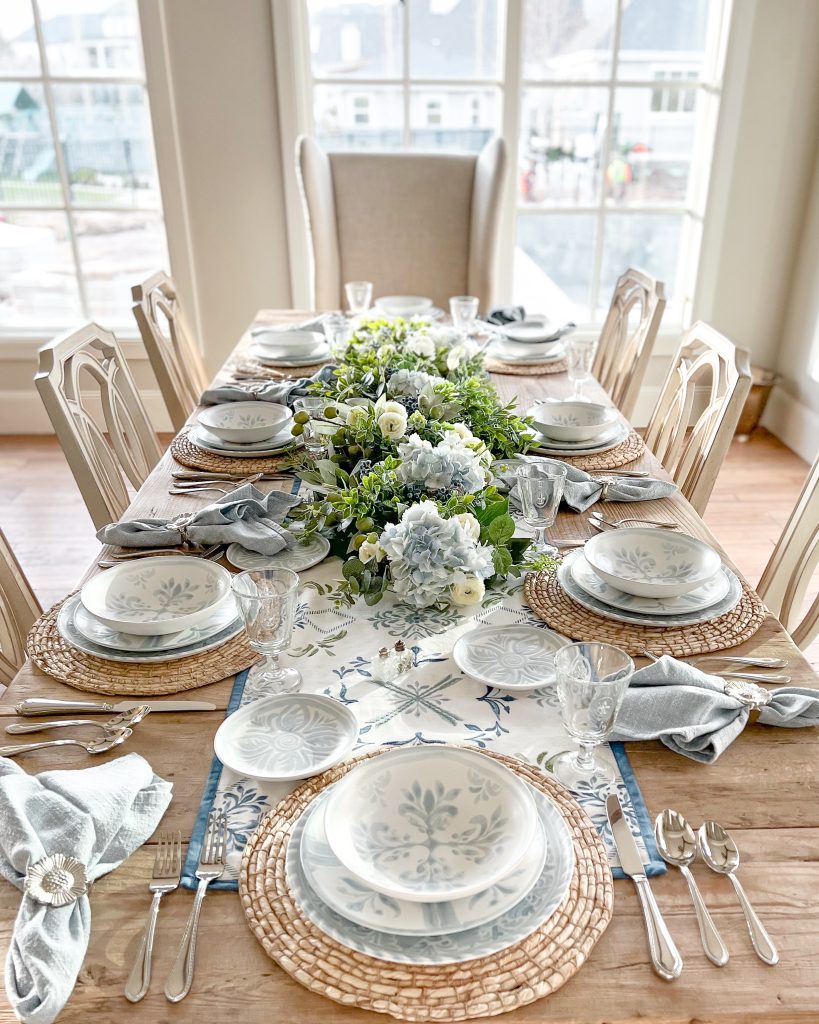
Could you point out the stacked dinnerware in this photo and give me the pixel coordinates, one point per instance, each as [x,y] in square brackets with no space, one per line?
[650,577]
[248,430]
[534,340]
[289,348]
[152,609]
[430,855]
[577,427]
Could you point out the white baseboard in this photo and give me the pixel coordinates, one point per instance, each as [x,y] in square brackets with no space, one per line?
[795,424]
[22,412]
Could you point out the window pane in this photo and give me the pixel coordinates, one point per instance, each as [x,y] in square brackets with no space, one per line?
[453,119]
[19,53]
[554,261]
[367,117]
[570,40]
[661,37]
[649,242]
[117,249]
[355,40]
[92,37]
[107,145]
[562,136]
[28,169]
[38,284]
[454,38]
[652,143]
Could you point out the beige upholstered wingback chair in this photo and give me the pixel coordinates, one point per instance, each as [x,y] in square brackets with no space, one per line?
[412,223]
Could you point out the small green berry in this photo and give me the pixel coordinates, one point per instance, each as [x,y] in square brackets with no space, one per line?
[302,417]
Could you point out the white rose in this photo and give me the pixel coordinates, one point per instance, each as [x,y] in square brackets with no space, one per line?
[462,430]
[356,416]
[393,424]
[383,404]
[421,345]
[469,591]
[368,551]
[470,524]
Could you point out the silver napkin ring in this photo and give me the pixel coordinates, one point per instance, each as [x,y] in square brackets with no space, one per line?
[750,694]
[56,880]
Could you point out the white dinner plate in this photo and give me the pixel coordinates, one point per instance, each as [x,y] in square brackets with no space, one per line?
[509,657]
[318,355]
[281,439]
[298,558]
[254,453]
[510,353]
[604,443]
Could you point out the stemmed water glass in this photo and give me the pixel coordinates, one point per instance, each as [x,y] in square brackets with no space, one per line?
[464,310]
[267,601]
[592,679]
[359,296]
[337,331]
[579,355]
[540,489]
[314,436]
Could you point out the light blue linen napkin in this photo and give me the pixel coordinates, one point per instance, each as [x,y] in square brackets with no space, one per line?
[581,490]
[690,712]
[282,392]
[246,516]
[98,815]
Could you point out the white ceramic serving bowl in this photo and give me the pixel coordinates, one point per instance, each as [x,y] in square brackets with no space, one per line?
[404,305]
[289,343]
[245,422]
[430,823]
[652,562]
[572,421]
[157,595]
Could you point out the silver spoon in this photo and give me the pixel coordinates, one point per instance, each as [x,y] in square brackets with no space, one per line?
[124,720]
[95,747]
[677,844]
[720,853]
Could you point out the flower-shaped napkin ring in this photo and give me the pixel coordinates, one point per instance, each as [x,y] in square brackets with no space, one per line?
[56,880]
[754,697]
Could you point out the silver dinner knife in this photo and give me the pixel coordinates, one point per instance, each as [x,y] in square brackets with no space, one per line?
[665,957]
[43,706]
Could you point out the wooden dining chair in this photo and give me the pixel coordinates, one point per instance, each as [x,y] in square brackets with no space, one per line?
[692,444]
[19,608]
[789,571]
[176,361]
[82,373]
[627,339]
[419,223]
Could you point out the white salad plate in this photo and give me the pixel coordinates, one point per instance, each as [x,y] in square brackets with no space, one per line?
[157,594]
[607,611]
[430,823]
[201,638]
[268,357]
[200,434]
[708,594]
[650,562]
[405,306]
[573,422]
[510,353]
[603,443]
[526,916]
[285,344]
[298,558]
[245,422]
[98,633]
[358,902]
[286,737]
[532,330]
[509,657]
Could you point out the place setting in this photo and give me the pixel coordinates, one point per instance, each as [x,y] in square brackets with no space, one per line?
[530,346]
[591,435]
[255,431]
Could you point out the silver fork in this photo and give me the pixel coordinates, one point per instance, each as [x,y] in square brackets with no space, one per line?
[211,866]
[615,523]
[166,874]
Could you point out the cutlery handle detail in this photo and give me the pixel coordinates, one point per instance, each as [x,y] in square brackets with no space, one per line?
[763,944]
[44,706]
[139,980]
[715,948]
[665,957]
[181,977]
[24,748]
[21,727]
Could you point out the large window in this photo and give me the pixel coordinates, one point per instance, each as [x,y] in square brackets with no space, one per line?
[80,213]
[610,106]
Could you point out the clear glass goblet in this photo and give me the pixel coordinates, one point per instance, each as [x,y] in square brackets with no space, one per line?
[592,679]
[337,331]
[359,296]
[316,431]
[579,356]
[464,311]
[267,600]
[540,489]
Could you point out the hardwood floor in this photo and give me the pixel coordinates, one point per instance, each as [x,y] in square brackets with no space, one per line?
[45,519]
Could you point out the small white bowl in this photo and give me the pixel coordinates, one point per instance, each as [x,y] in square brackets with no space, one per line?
[404,305]
[289,343]
[153,596]
[245,422]
[651,562]
[572,421]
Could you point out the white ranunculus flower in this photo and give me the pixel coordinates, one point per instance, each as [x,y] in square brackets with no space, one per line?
[470,524]
[454,357]
[384,404]
[356,416]
[368,551]
[462,430]
[469,591]
[393,424]
[421,345]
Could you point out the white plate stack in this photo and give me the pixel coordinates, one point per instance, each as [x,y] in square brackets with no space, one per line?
[534,340]
[577,427]
[289,348]
[244,430]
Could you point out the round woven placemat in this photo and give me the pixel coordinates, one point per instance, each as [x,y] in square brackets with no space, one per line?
[525,369]
[526,971]
[249,365]
[627,451]
[56,657]
[188,454]
[550,602]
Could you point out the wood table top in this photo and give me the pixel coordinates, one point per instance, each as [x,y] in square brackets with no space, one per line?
[764,788]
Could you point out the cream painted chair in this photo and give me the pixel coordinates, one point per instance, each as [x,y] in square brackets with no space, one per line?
[791,566]
[18,610]
[412,223]
[82,372]
[692,446]
[175,359]
[627,339]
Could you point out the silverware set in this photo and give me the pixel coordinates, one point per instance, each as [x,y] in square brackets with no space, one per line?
[212,551]
[115,731]
[751,677]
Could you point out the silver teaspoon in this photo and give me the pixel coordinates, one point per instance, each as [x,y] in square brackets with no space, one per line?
[124,720]
[677,844]
[720,853]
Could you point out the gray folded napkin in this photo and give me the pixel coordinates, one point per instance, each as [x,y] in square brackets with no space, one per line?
[691,713]
[582,490]
[246,516]
[98,815]
[282,392]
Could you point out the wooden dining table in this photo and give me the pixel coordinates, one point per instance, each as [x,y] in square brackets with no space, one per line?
[764,789]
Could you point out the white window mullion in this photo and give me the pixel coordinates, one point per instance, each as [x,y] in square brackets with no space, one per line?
[405,76]
[512,99]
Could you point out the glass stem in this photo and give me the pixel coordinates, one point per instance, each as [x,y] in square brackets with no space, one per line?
[271,665]
[540,537]
[585,757]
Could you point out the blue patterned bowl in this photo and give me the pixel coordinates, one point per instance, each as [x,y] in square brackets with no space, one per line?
[430,823]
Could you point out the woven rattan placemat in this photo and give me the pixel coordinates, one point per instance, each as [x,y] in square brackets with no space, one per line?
[550,602]
[627,451]
[248,365]
[56,657]
[525,369]
[188,454]
[526,971]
